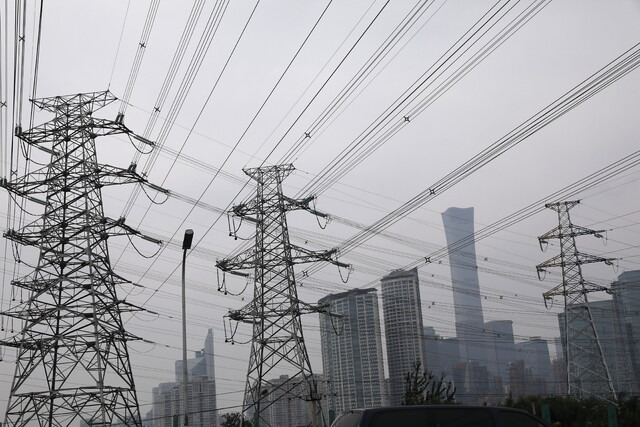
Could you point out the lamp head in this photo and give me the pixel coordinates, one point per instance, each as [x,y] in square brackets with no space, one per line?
[188,238]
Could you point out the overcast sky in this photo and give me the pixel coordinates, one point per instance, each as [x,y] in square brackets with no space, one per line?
[91,46]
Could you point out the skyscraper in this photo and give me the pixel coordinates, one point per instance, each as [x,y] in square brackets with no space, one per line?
[352,350]
[626,302]
[167,397]
[403,327]
[458,228]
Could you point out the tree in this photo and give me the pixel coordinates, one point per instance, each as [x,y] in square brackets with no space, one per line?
[422,387]
[235,419]
[569,412]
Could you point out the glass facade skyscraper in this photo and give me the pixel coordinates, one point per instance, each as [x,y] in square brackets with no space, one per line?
[458,228]
[352,350]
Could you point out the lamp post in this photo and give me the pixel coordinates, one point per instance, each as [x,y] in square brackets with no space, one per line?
[186,245]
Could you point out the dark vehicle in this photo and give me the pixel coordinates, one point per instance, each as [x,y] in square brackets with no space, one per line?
[438,416]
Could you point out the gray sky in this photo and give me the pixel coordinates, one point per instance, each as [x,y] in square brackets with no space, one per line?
[89,46]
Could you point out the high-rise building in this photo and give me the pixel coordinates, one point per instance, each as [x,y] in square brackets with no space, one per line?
[440,353]
[535,354]
[435,361]
[614,347]
[202,365]
[401,305]
[476,385]
[167,397]
[522,381]
[352,350]
[500,346]
[284,403]
[459,230]
[626,302]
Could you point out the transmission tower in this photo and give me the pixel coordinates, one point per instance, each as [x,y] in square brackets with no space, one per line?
[72,362]
[275,309]
[587,373]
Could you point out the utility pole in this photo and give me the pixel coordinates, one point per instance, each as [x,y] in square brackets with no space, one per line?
[278,341]
[72,361]
[587,373]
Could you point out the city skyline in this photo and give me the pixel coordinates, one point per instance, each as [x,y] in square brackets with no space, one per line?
[214,123]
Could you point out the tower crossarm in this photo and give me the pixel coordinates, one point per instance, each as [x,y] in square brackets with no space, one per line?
[562,206]
[119,228]
[300,255]
[579,258]
[564,232]
[245,210]
[291,204]
[581,288]
[242,261]
[93,128]
[250,313]
[34,234]
[39,181]
[35,283]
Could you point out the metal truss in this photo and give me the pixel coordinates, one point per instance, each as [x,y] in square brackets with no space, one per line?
[72,362]
[275,310]
[587,373]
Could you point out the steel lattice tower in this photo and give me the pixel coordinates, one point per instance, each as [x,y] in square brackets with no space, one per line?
[72,361]
[275,309]
[586,368]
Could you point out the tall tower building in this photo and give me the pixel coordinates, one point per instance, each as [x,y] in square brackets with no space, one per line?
[458,228]
[352,350]
[167,397]
[402,310]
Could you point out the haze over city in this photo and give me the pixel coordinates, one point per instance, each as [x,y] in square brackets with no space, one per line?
[379,119]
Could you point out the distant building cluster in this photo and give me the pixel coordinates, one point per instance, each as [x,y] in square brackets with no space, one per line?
[168,397]
[484,360]
[286,402]
[617,323]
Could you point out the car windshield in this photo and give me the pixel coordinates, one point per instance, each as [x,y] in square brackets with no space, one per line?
[349,419]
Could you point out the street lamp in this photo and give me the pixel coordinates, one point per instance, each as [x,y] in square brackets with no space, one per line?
[186,245]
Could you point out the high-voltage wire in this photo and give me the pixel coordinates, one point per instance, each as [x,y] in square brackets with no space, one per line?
[373,62]
[142,48]
[594,179]
[598,81]
[238,142]
[204,43]
[401,112]
[465,42]
[206,39]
